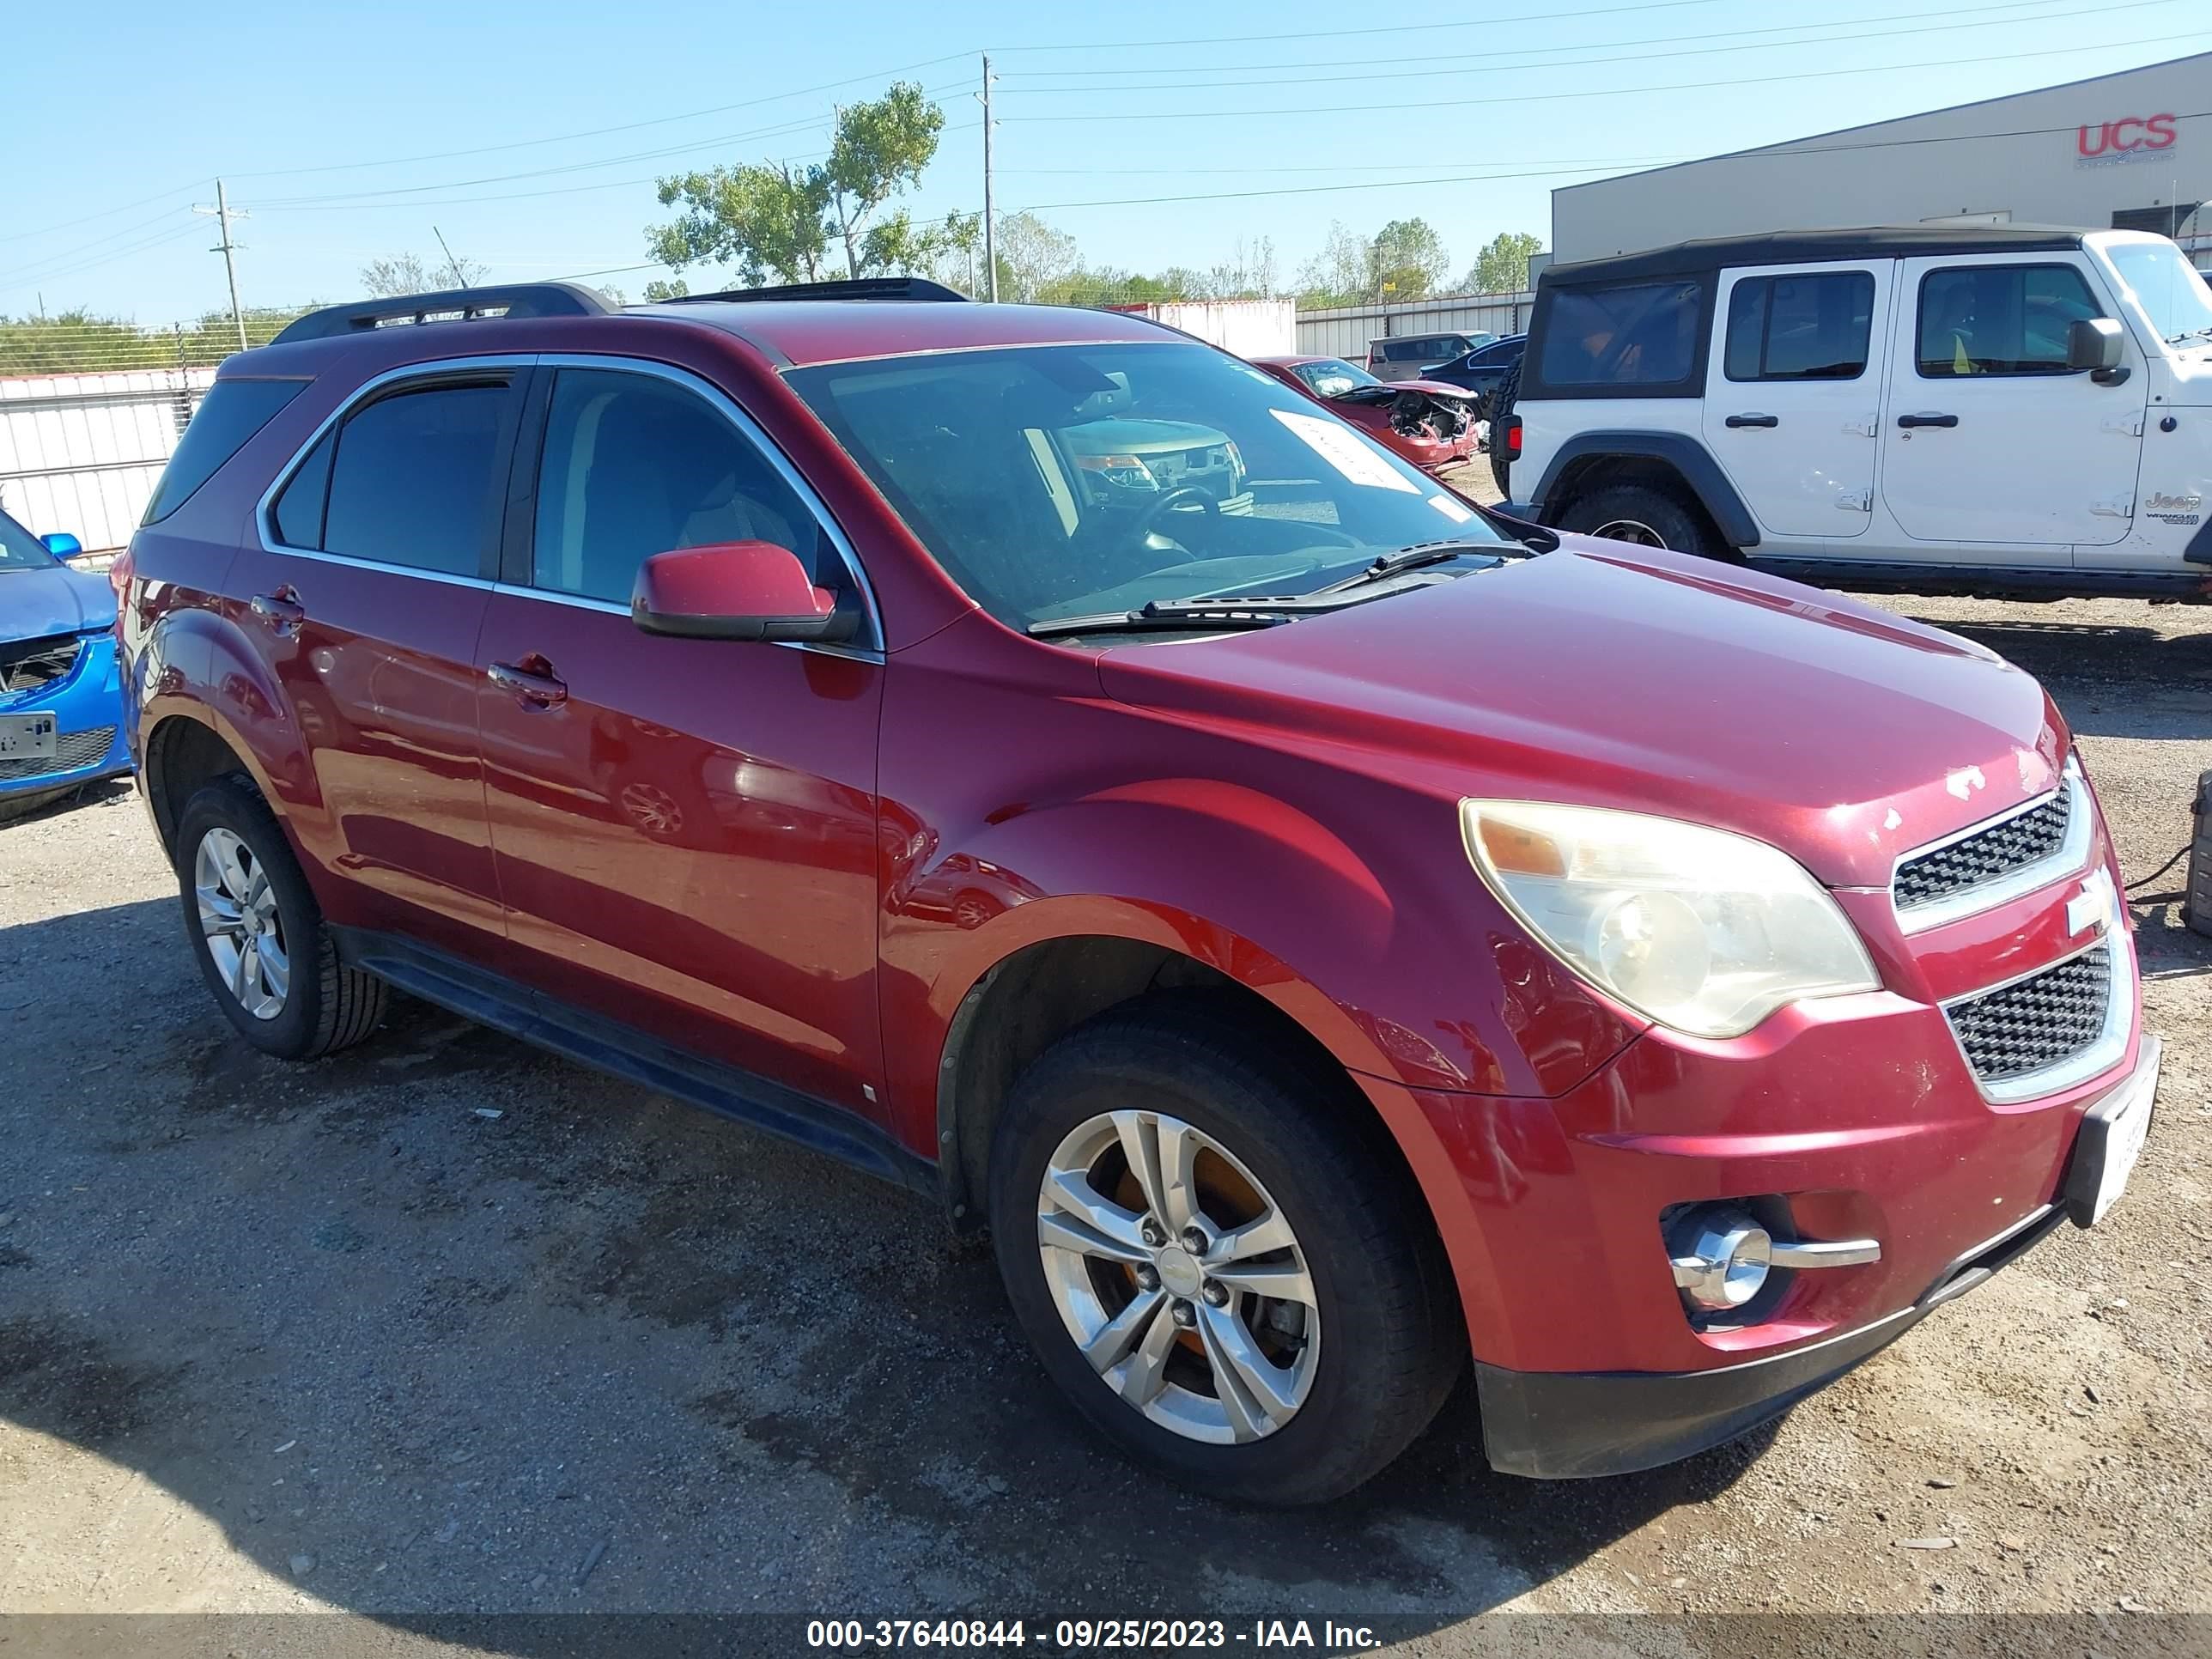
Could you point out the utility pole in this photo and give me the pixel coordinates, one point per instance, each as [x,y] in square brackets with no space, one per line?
[459,281]
[990,222]
[223,215]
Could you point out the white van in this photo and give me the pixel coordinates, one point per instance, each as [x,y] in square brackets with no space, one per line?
[1931,409]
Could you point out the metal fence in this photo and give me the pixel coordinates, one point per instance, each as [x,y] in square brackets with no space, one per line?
[82,452]
[1344,332]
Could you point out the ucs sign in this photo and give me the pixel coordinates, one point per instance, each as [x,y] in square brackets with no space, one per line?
[2131,138]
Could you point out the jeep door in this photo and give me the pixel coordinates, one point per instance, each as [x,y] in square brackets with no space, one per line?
[363,591]
[1793,394]
[684,828]
[1989,440]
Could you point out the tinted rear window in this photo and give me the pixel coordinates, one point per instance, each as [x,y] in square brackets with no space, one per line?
[1643,334]
[414,480]
[232,412]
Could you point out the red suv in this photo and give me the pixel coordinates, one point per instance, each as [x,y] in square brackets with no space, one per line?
[1328,934]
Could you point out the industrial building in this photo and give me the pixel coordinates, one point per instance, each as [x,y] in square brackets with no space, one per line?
[2132,150]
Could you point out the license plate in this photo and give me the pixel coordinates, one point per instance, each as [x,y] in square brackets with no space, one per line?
[2110,1141]
[26,737]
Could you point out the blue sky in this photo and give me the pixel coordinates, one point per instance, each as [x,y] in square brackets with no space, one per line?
[346,131]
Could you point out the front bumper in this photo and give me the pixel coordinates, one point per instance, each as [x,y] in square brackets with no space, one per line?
[1569,1425]
[87,704]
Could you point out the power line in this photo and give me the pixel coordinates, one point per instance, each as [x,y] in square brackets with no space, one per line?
[1619,92]
[1853,37]
[1126,44]
[1784,151]
[1531,51]
[600,133]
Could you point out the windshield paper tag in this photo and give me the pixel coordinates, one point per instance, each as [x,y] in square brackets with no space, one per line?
[1450,509]
[1344,449]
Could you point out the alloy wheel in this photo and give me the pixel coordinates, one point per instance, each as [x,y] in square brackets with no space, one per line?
[1179,1277]
[239,923]
[1633,531]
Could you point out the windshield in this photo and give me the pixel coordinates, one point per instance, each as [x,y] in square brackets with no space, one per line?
[1060,480]
[2171,291]
[20,550]
[1331,376]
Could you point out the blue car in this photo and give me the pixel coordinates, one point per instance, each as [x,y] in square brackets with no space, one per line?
[61,697]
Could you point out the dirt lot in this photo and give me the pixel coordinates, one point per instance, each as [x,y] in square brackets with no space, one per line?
[445,1325]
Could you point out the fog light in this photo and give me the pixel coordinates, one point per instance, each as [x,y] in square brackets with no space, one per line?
[1721,1256]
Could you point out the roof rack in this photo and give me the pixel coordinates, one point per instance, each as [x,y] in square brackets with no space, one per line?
[858,288]
[453,304]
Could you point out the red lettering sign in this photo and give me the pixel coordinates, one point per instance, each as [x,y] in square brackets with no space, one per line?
[2125,136]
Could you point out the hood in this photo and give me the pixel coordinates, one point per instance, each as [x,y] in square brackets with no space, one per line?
[53,599]
[1132,436]
[1390,389]
[1615,677]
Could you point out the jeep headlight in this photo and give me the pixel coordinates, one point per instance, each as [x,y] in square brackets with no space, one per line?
[1703,930]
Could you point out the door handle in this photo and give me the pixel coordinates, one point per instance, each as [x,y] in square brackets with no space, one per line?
[1751,420]
[282,610]
[532,682]
[1927,419]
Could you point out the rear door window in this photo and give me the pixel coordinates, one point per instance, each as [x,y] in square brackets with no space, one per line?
[1810,326]
[416,477]
[1999,320]
[1637,335]
[232,412]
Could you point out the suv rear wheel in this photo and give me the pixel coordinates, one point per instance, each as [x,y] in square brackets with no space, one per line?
[1213,1263]
[257,933]
[1642,516]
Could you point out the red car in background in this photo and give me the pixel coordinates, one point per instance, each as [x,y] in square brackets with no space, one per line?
[1431,425]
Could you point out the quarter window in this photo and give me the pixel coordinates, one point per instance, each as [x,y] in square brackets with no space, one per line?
[2000,319]
[1641,334]
[1812,327]
[299,515]
[635,465]
[414,480]
[232,412]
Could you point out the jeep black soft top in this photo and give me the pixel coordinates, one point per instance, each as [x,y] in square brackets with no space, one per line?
[1790,248]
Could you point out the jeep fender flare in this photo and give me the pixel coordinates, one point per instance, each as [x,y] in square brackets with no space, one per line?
[1690,460]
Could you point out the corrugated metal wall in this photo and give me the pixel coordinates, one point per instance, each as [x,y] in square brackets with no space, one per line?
[1346,332]
[82,452]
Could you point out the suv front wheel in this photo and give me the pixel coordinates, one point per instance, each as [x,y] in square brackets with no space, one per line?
[1215,1266]
[1643,517]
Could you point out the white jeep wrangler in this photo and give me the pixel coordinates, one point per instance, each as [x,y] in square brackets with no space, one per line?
[2006,410]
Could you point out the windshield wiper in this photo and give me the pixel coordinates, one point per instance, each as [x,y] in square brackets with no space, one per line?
[1215,616]
[1419,556]
[2187,335]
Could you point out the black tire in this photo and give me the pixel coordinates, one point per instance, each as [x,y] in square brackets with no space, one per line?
[1391,1343]
[1670,519]
[327,1004]
[1501,405]
[2196,908]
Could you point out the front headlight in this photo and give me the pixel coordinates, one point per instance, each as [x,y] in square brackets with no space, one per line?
[1703,930]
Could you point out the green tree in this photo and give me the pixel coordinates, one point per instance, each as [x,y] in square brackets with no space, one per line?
[1036,263]
[666,289]
[406,273]
[1407,260]
[772,220]
[1338,275]
[1502,267]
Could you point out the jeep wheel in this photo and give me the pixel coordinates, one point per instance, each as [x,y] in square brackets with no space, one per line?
[1643,517]
[1218,1268]
[1501,405]
[257,933]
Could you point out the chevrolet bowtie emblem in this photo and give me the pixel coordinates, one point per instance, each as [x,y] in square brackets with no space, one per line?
[2091,906]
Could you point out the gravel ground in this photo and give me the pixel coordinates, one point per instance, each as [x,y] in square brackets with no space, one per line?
[445,1325]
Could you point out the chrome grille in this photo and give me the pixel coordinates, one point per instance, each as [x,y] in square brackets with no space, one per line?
[73,752]
[2038,1022]
[1987,855]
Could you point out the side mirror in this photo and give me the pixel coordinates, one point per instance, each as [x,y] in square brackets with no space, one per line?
[737,590]
[62,544]
[2093,342]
